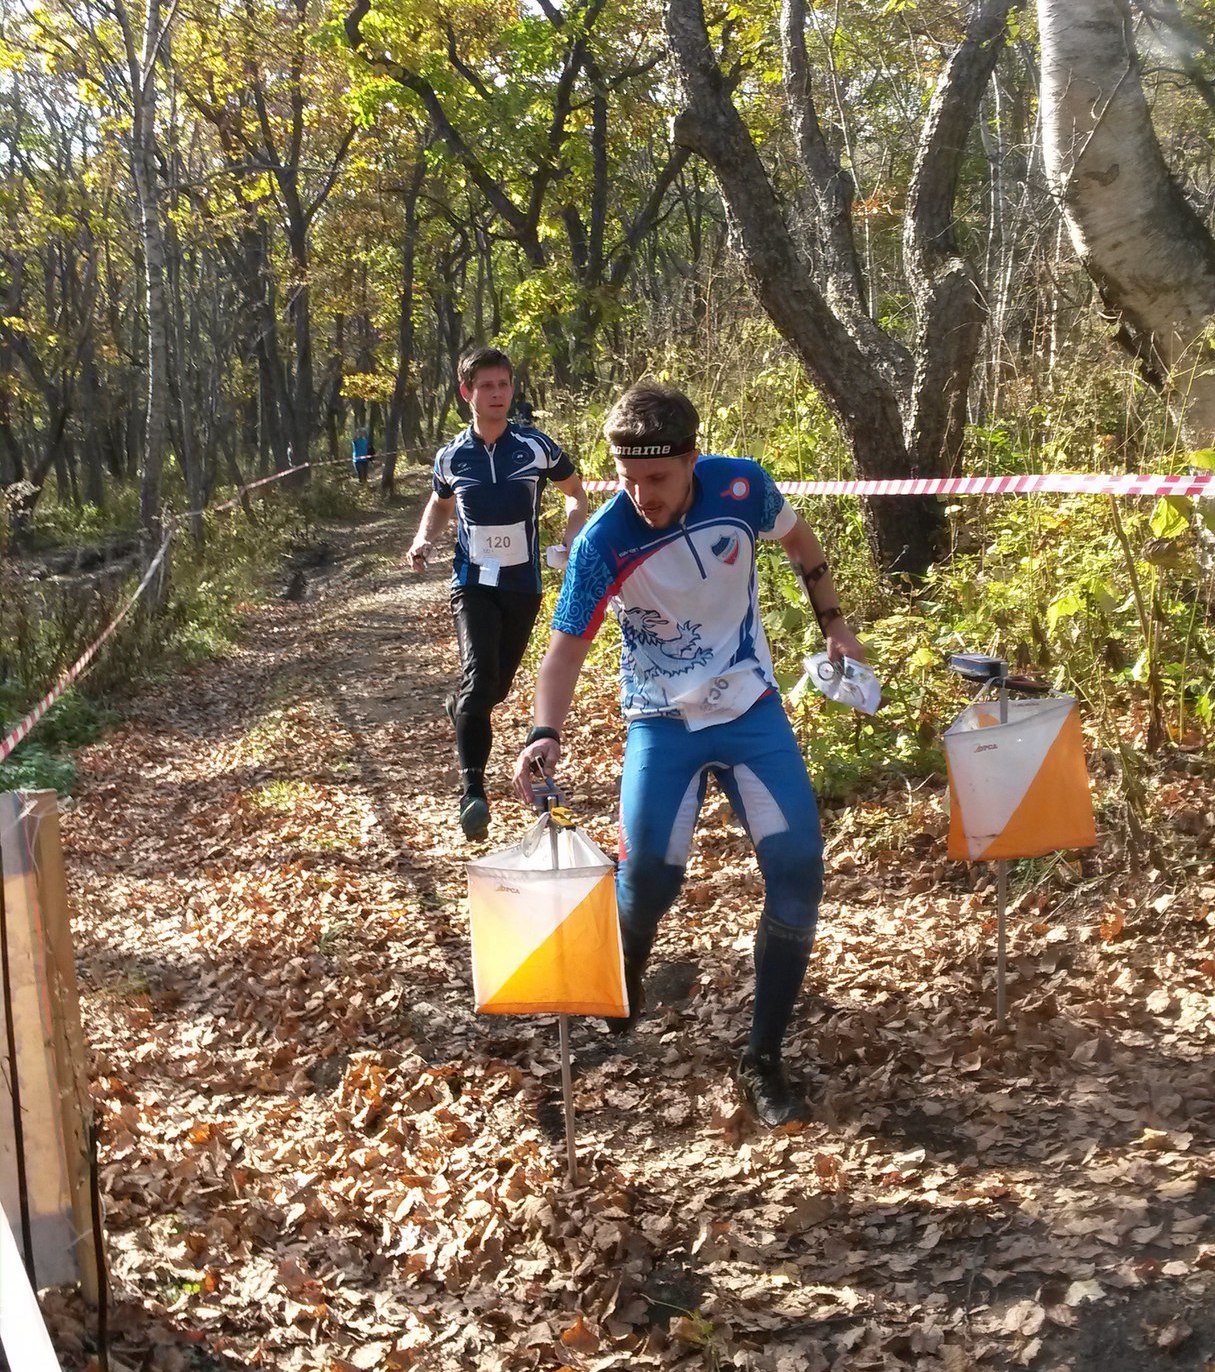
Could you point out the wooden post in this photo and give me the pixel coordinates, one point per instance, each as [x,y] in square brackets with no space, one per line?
[45,1060]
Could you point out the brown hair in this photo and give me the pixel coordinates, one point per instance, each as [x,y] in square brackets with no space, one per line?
[650,420]
[477,359]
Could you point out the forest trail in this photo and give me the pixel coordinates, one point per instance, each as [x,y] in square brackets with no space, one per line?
[314,1155]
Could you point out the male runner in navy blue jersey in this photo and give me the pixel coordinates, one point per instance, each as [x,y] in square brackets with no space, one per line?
[491,476]
[673,556]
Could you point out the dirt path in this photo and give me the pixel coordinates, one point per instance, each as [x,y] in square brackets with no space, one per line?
[315,1156]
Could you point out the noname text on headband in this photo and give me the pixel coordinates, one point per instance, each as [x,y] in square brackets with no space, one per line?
[653,449]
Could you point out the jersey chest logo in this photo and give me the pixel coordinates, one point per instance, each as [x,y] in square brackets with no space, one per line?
[725,549]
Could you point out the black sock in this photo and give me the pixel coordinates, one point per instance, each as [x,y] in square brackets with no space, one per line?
[781,957]
[474,737]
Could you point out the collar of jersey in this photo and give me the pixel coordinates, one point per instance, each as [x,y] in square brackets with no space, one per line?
[471,433]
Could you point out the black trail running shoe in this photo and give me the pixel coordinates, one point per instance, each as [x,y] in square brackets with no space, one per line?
[474,815]
[764,1084]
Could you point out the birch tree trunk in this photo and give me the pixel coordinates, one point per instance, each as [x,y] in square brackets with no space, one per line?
[141,82]
[1144,246]
[403,425]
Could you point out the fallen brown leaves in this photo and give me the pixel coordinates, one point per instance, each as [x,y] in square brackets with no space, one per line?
[315,1157]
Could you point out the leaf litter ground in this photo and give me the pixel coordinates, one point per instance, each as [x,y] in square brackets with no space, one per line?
[314,1155]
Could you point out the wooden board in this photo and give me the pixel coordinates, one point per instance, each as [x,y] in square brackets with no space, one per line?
[44,1103]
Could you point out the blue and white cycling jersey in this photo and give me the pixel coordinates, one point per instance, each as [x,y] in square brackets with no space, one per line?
[497,487]
[686,597]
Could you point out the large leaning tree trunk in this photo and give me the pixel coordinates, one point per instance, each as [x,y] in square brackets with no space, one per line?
[1145,247]
[901,411]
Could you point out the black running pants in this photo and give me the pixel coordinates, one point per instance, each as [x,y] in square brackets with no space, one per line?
[493,627]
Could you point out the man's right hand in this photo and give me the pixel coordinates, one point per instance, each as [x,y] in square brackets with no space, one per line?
[418,555]
[543,755]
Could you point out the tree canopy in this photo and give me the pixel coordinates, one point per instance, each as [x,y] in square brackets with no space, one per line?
[268,222]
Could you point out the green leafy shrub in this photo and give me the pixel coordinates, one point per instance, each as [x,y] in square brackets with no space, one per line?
[46,625]
[1104,602]
[32,768]
[42,761]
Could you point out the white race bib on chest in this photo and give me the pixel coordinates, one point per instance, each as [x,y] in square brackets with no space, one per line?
[505,544]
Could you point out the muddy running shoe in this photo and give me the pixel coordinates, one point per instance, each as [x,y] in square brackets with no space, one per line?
[764,1084]
[474,815]
[621,1024]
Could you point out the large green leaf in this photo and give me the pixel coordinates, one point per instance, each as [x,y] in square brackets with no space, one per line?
[1063,607]
[1171,516]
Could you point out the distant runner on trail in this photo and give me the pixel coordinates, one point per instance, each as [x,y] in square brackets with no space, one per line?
[360,453]
[492,477]
[674,557]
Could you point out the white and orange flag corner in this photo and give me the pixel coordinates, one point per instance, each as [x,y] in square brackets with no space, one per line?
[545,939]
[1020,788]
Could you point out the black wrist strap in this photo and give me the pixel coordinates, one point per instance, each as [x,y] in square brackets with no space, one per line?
[541,731]
[828,616]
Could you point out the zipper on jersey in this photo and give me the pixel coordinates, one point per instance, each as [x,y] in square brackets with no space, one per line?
[683,525]
[493,471]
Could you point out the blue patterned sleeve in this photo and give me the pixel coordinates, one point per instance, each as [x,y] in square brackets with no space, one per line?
[584,591]
[439,479]
[773,521]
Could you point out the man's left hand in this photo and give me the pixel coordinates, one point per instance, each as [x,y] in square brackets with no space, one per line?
[842,642]
[547,753]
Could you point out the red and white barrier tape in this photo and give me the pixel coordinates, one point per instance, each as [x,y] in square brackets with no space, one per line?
[1060,483]
[22,731]
[275,476]
[252,485]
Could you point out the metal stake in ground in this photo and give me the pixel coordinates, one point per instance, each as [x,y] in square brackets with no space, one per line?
[1001,881]
[978,667]
[557,819]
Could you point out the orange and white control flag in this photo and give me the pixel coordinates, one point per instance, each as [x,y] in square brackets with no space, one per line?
[1018,789]
[545,939]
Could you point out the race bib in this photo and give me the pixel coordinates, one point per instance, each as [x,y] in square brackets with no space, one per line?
[505,544]
[719,698]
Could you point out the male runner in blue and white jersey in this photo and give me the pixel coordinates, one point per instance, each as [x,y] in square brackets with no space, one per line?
[491,477]
[674,557]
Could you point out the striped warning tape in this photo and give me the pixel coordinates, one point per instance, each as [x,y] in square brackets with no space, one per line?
[275,476]
[244,490]
[1059,483]
[22,730]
